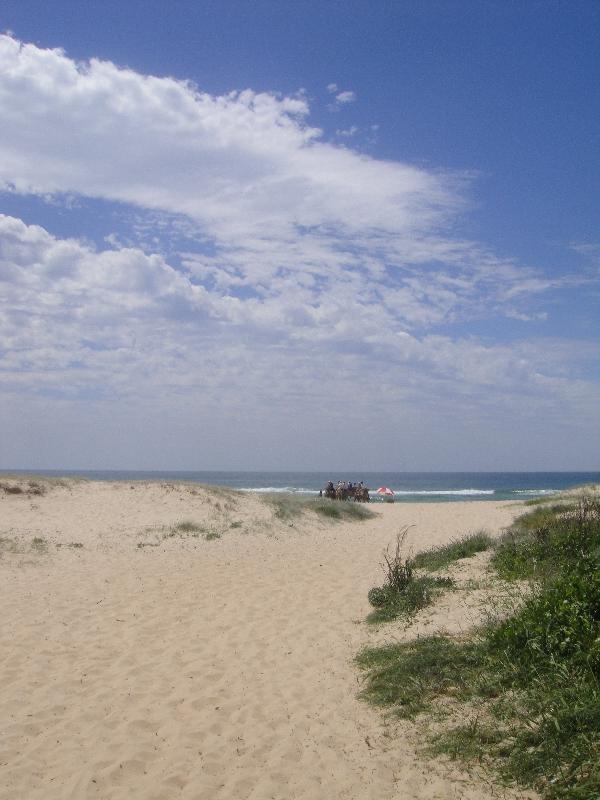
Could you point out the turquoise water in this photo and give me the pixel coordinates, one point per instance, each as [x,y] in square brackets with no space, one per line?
[407,486]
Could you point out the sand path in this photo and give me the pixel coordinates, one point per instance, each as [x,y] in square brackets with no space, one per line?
[204,670]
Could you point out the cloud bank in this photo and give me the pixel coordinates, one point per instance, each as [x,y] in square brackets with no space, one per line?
[315,267]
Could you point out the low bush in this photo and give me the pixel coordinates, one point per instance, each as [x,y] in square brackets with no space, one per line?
[403,593]
[390,603]
[39,544]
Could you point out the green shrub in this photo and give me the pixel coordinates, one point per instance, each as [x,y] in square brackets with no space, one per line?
[560,622]
[403,593]
[39,544]
[187,526]
[417,594]
[380,596]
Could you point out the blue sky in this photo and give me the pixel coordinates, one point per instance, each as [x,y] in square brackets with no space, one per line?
[299,235]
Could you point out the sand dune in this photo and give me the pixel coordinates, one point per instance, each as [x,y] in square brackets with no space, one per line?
[142,660]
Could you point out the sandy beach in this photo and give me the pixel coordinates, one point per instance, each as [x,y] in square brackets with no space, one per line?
[169,641]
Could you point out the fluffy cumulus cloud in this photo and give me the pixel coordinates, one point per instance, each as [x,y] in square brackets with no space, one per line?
[322,287]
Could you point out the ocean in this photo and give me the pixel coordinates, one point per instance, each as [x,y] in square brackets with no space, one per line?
[407,486]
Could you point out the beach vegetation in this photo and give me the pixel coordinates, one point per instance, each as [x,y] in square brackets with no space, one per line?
[187,526]
[190,528]
[32,485]
[390,604]
[39,544]
[465,547]
[8,545]
[403,592]
[285,506]
[545,542]
[11,489]
[20,486]
[332,509]
[288,507]
[409,676]
[522,695]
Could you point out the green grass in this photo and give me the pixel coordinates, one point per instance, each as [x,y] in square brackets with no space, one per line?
[193,529]
[340,510]
[8,545]
[441,557]
[408,676]
[548,540]
[288,507]
[187,526]
[31,484]
[528,686]
[420,592]
[403,593]
[39,545]
[285,506]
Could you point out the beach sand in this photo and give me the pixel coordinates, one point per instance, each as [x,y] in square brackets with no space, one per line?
[138,660]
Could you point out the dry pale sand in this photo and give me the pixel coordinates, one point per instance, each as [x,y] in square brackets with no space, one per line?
[207,669]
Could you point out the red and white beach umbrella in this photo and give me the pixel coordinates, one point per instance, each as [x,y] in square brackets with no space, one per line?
[386,491]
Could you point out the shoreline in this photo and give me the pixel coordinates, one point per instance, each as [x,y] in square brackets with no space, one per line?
[408,487]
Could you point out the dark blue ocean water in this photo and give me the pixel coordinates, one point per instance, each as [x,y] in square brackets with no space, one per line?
[407,486]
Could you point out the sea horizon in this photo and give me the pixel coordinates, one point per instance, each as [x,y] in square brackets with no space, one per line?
[430,486]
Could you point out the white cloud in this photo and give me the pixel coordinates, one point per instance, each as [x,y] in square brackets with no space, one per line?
[343,98]
[348,132]
[74,316]
[326,274]
[522,317]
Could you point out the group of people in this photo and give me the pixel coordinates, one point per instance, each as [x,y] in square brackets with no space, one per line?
[346,490]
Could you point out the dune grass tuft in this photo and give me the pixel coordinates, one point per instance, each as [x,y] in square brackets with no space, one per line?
[39,544]
[288,506]
[187,526]
[441,557]
[8,545]
[334,509]
[403,592]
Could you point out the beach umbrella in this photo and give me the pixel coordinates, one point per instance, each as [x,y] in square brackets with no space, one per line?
[386,493]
